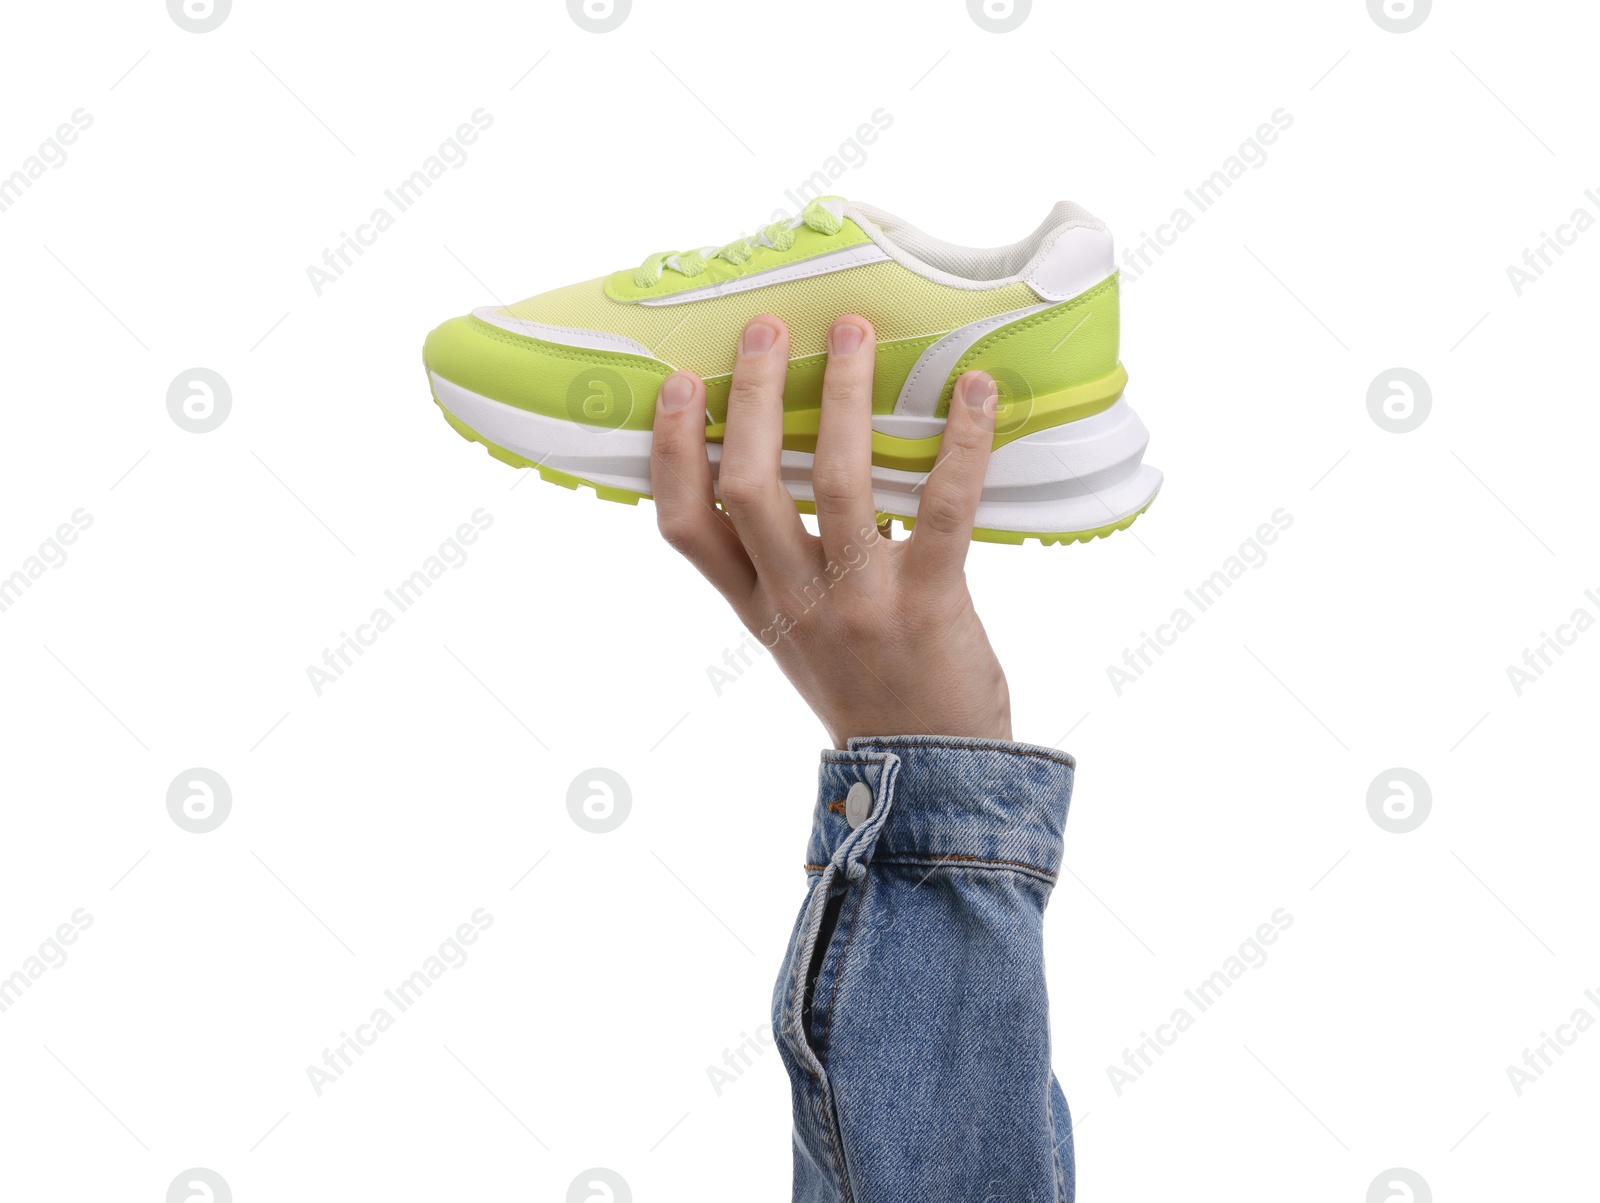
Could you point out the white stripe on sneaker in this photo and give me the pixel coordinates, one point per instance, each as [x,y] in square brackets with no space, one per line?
[919,395]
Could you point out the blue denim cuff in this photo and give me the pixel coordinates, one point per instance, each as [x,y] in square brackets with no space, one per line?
[940,799]
[911,1011]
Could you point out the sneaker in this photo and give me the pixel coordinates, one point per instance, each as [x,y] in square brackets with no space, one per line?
[566,381]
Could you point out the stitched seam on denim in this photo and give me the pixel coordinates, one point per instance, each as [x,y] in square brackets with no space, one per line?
[827,1130]
[822,1114]
[815,868]
[918,857]
[838,969]
[802,960]
[1055,1149]
[886,787]
[1055,1152]
[930,869]
[970,748]
[796,1013]
[824,1110]
[821,1051]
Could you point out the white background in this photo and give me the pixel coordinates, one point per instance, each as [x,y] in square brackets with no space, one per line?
[1230,780]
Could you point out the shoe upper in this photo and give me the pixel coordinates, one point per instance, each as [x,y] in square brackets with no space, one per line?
[1041,315]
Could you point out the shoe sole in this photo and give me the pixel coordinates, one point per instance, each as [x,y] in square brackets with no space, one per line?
[1070,483]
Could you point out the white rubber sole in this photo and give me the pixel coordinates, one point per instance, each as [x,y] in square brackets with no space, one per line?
[1079,479]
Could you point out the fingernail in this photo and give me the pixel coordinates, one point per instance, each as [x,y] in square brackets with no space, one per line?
[676,392]
[758,338]
[845,339]
[978,391]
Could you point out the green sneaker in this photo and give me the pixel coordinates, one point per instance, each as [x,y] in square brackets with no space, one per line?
[566,381]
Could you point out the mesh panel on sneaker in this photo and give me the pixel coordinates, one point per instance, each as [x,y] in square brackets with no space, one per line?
[701,335]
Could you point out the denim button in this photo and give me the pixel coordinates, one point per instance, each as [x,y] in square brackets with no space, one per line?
[858,804]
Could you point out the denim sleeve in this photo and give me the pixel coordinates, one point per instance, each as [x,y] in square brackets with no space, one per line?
[911,1010]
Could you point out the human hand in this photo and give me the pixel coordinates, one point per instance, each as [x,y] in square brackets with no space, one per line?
[880,637]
